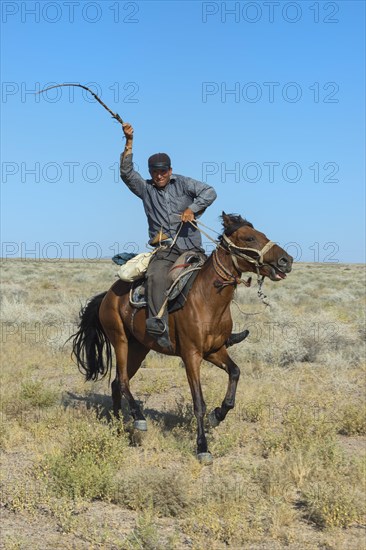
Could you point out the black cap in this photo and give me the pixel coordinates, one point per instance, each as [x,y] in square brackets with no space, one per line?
[159,161]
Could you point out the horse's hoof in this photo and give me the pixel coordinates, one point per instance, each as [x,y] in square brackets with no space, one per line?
[213,420]
[205,458]
[140,425]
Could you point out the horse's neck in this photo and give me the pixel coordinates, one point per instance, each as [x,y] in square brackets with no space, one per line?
[215,296]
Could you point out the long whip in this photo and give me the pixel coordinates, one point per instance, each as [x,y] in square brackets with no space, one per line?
[114,115]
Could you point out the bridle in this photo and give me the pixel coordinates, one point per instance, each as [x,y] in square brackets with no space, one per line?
[239,252]
[236,252]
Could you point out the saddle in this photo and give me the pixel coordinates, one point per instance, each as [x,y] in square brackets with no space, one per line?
[181,277]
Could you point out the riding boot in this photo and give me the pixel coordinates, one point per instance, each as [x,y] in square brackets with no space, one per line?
[236,338]
[158,329]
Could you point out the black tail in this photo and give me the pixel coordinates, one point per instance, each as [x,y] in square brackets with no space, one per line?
[90,346]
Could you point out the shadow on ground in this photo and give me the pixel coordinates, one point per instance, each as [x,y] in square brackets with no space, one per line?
[102,405]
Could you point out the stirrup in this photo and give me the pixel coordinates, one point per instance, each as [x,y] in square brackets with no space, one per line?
[155,326]
[158,330]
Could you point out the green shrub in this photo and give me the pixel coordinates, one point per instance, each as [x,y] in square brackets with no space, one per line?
[353,419]
[334,504]
[164,491]
[34,393]
[88,465]
[144,535]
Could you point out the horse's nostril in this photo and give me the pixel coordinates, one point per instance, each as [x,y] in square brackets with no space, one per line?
[283,261]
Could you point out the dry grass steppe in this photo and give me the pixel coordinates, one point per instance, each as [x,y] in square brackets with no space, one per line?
[289,460]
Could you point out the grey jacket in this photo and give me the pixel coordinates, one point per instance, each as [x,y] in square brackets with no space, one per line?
[164,206]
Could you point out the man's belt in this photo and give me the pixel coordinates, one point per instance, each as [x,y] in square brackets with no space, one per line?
[161,239]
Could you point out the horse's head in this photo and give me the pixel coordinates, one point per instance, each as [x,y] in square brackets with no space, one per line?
[251,250]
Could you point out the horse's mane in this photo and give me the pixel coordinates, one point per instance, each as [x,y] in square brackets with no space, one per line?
[235,222]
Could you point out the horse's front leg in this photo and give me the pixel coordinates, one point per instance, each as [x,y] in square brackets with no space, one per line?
[192,364]
[221,359]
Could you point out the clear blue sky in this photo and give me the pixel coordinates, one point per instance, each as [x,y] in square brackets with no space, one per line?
[263,100]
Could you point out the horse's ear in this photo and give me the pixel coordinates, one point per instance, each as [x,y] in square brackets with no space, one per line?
[225,219]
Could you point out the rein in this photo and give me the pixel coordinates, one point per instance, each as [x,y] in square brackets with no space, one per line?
[228,277]
[237,251]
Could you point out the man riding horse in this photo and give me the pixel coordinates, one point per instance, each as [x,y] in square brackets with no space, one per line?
[170,201]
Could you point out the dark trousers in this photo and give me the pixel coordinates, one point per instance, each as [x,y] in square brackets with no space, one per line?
[157,275]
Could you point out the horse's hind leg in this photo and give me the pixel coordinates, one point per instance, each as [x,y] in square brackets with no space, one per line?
[116,396]
[129,354]
[129,357]
[221,359]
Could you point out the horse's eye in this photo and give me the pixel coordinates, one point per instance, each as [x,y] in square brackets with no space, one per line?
[250,239]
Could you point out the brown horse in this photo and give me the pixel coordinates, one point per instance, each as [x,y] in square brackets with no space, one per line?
[199,330]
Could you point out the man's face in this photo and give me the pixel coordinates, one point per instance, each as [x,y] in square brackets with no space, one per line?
[160,176]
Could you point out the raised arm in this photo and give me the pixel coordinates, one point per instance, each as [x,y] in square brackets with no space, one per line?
[128,132]
[131,178]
